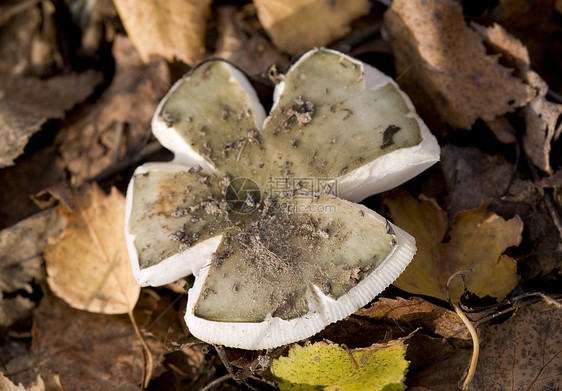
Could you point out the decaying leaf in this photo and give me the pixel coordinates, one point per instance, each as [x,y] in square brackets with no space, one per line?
[45,381]
[477,241]
[332,367]
[117,125]
[540,120]
[473,178]
[242,45]
[523,353]
[88,265]
[540,115]
[21,247]
[28,38]
[88,351]
[173,29]
[442,374]
[7,385]
[437,53]
[296,26]
[27,103]
[13,309]
[417,312]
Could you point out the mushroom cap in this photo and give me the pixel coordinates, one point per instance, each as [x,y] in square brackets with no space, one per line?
[239,205]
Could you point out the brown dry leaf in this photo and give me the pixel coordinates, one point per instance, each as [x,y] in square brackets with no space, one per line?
[21,248]
[555,180]
[477,241]
[7,385]
[35,171]
[523,353]
[417,312]
[296,26]
[88,264]
[437,53]
[14,309]
[88,351]
[118,124]
[45,381]
[28,38]
[173,29]
[540,115]
[537,25]
[241,44]
[442,374]
[473,178]
[27,103]
[540,120]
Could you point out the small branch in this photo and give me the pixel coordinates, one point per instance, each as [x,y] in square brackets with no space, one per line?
[217,381]
[148,150]
[148,361]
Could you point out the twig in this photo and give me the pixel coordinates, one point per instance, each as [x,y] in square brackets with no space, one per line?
[217,381]
[148,150]
[554,95]
[356,38]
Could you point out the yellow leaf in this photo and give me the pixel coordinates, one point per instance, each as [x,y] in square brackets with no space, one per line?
[169,28]
[88,265]
[477,241]
[326,366]
[296,26]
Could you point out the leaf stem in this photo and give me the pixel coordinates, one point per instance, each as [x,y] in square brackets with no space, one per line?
[475,347]
[148,361]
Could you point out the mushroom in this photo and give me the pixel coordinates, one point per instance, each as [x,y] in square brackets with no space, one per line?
[261,209]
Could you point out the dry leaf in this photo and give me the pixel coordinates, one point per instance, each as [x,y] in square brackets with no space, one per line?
[296,26]
[551,181]
[540,115]
[34,172]
[537,25]
[442,374]
[28,42]
[540,120]
[523,353]
[7,385]
[21,248]
[118,124]
[14,309]
[173,29]
[88,265]
[88,351]
[474,178]
[27,103]
[242,45]
[417,312]
[437,53]
[477,241]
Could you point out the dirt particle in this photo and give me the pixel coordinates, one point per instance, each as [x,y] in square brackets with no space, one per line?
[195,169]
[283,308]
[350,277]
[388,136]
[299,112]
